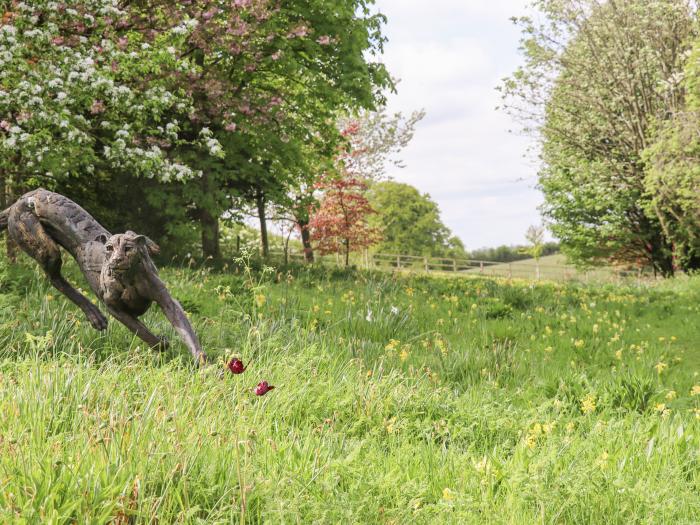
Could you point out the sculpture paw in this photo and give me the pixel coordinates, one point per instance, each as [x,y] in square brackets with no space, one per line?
[96,319]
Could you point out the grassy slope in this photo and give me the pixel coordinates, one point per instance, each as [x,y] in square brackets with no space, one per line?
[454,401]
[554,267]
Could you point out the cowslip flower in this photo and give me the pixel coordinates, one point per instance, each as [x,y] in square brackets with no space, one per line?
[263,388]
[236,366]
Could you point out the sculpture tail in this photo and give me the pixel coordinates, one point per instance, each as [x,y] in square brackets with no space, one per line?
[3,219]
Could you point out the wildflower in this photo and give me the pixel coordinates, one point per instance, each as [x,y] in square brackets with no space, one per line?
[368,317]
[549,349]
[671,395]
[392,344]
[263,388]
[618,355]
[447,494]
[236,366]
[404,354]
[260,300]
[695,391]
[588,404]
[660,407]
[394,310]
[660,367]
[602,460]
[578,343]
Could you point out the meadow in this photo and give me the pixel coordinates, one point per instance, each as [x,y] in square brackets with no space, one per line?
[398,398]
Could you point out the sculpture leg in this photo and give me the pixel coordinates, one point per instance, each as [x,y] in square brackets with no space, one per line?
[30,235]
[139,329]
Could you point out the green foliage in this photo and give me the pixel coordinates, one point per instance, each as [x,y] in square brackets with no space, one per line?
[596,77]
[410,222]
[673,176]
[397,398]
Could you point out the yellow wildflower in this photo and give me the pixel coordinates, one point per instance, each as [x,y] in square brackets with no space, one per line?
[588,404]
[660,367]
[260,300]
[447,494]
[695,391]
[671,395]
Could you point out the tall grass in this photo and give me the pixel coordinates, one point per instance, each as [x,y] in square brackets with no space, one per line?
[398,399]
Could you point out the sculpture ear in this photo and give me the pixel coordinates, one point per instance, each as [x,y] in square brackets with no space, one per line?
[101,238]
[153,248]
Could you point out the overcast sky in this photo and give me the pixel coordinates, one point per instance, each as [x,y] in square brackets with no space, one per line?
[450,55]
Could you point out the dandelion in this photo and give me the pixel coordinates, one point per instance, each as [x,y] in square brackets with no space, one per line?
[263,388]
[588,404]
[447,494]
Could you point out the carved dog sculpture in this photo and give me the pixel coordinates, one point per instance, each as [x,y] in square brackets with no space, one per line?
[117,267]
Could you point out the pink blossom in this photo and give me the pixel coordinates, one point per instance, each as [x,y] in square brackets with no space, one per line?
[230,127]
[97,107]
[324,40]
[299,31]
[57,41]
[5,125]
[276,55]
[122,43]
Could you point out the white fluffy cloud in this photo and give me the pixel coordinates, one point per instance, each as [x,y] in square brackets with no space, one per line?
[450,55]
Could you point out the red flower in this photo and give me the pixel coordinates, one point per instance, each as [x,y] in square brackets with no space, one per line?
[263,388]
[236,366]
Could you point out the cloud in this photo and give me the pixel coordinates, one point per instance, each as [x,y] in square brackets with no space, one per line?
[450,55]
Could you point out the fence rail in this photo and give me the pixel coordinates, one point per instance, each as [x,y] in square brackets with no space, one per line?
[533,271]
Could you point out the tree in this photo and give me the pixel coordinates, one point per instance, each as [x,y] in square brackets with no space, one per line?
[535,236]
[597,74]
[410,222]
[370,141]
[374,138]
[673,172]
[76,98]
[340,225]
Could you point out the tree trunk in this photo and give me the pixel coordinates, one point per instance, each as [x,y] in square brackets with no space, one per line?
[264,242]
[306,240]
[210,236]
[347,253]
[9,192]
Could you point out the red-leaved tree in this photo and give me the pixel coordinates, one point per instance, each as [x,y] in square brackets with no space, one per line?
[340,223]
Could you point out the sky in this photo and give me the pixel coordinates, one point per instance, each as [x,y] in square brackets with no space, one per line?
[450,55]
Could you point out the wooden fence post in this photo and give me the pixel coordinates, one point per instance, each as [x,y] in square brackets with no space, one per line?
[398,261]
[454,265]
[425,263]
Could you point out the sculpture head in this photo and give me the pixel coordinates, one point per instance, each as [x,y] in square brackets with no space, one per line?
[125,251]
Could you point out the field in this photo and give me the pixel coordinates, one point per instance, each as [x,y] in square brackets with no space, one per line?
[398,399]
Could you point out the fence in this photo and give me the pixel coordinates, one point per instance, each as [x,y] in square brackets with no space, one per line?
[527,269]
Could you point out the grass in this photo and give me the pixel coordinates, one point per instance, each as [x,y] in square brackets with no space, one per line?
[398,399]
[552,267]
